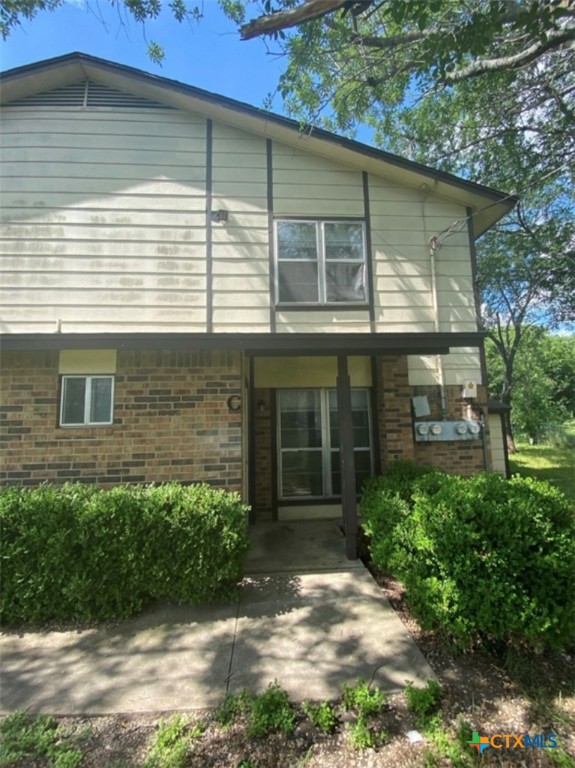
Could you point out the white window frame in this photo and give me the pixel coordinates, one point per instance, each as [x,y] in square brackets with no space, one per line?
[321,262]
[87,400]
[326,448]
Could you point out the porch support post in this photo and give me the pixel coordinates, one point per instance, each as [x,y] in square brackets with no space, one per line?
[347,460]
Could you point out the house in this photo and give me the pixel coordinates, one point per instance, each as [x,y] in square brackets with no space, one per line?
[195,290]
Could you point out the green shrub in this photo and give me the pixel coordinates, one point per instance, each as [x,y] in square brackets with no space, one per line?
[75,552]
[486,559]
[386,501]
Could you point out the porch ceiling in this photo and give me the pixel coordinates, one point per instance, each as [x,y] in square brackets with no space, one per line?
[253,343]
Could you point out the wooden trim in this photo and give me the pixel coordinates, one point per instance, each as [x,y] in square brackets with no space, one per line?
[301,344]
[376,438]
[274,449]
[347,458]
[252,443]
[209,259]
[328,219]
[312,502]
[369,252]
[271,234]
[340,307]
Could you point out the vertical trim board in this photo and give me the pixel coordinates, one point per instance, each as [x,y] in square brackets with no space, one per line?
[271,241]
[368,248]
[209,240]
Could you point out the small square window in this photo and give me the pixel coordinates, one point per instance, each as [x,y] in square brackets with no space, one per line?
[86,401]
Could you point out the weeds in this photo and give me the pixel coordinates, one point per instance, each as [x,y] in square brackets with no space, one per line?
[272,711]
[424,702]
[367,703]
[268,712]
[24,737]
[362,735]
[362,699]
[172,743]
[322,715]
[234,705]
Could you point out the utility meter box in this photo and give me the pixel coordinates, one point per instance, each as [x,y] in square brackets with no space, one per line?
[440,431]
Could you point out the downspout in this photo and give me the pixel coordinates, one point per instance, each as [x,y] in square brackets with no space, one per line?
[435,245]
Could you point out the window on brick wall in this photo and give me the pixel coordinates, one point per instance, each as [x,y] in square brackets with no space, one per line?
[308,432]
[86,401]
[320,262]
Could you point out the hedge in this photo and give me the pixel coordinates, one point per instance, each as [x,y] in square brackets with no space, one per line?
[75,552]
[483,559]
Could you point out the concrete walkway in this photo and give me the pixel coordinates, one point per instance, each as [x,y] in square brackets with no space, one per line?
[309,631]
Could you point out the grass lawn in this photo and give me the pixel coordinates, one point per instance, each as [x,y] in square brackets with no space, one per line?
[546,462]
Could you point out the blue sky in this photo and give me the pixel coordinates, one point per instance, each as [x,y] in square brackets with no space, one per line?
[208,55]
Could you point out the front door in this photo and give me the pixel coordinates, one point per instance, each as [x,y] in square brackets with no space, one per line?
[308,443]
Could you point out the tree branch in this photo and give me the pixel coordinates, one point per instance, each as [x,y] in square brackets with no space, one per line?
[503,63]
[267,25]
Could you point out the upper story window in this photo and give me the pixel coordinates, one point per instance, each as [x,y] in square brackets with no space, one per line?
[86,401]
[320,262]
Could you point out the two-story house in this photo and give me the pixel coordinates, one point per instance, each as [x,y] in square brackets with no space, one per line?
[194,290]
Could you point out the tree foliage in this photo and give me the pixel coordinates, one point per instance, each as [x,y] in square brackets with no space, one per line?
[543,380]
[14,12]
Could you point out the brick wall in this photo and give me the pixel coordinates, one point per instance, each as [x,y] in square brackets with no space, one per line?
[394,410]
[171,421]
[464,457]
[396,423]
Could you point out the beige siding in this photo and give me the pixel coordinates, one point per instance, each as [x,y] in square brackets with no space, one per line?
[307,185]
[103,220]
[402,222]
[496,438]
[323,321]
[104,228]
[401,264]
[240,250]
[461,365]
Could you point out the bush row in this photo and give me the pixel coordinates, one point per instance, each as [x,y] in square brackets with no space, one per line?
[483,559]
[75,552]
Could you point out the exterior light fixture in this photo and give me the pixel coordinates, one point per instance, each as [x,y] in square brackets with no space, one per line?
[219,215]
[234,403]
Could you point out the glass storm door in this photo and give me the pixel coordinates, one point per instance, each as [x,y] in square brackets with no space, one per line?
[308,439]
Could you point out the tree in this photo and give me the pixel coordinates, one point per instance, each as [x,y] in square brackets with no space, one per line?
[544,381]
[366,58]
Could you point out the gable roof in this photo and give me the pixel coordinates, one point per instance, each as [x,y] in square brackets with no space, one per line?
[488,205]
